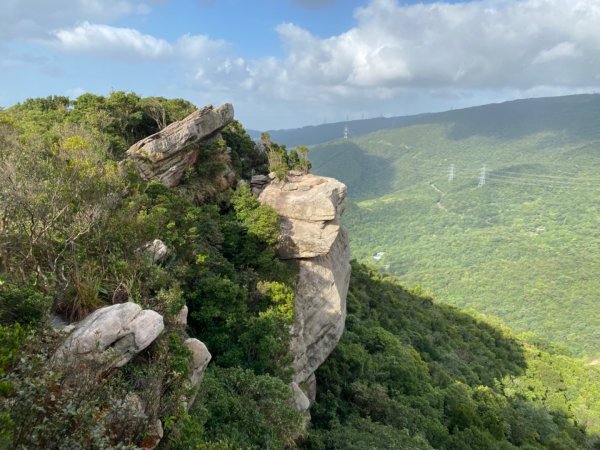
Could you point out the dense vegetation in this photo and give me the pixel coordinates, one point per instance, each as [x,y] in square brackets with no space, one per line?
[525,247]
[410,373]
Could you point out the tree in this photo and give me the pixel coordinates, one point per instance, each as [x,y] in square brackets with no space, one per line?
[304,162]
[278,161]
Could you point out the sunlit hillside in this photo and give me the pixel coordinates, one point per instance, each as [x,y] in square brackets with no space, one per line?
[493,208]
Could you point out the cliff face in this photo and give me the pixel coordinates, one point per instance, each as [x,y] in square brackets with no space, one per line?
[310,208]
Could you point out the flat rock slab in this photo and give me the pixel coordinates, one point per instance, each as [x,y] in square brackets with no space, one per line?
[307,197]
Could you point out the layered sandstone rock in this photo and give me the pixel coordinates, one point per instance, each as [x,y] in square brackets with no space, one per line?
[310,208]
[166,155]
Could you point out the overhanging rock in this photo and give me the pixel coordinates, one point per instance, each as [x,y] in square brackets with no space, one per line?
[166,155]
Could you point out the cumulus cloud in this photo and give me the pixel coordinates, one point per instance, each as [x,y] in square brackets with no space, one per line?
[397,51]
[486,44]
[112,41]
[396,54]
[134,46]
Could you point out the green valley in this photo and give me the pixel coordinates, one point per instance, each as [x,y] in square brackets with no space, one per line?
[524,247]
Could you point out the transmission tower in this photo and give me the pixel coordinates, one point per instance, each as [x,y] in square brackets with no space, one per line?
[451,173]
[482,177]
[346,132]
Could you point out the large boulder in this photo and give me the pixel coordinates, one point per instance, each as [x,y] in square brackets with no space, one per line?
[109,337]
[166,155]
[200,357]
[310,208]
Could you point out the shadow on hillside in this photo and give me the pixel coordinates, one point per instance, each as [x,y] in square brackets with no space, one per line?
[415,370]
[363,173]
[471,350]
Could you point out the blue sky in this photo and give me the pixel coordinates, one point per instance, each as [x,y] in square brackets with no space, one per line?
[288,63]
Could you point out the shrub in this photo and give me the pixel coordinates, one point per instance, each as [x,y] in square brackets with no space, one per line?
[26,304]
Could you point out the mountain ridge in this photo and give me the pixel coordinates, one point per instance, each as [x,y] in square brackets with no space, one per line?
[317,134]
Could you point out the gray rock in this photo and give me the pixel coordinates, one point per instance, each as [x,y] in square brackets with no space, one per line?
[181,317]
[301,401]
[320,308]
[166,155]
[154,434]
[156,250]
[258,183]
[200,359]
[111,336]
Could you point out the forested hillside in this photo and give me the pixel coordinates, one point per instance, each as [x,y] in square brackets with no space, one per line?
[524,246]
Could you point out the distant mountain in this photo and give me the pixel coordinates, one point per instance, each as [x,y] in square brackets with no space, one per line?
[494,208]
[511,117]
[316,134]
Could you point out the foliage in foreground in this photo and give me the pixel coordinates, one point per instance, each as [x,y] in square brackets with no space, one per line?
[408,373]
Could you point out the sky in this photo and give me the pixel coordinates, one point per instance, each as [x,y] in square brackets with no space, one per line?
[291,63]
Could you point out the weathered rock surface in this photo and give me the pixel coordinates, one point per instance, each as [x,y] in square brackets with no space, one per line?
[181,317]
[156,250]
[166,155]
[320,309]
[310,208]
[111,336]
[259,182]
[200,359]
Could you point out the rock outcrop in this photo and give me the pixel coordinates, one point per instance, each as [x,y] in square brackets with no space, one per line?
[111,336]
[166,155]
[310,208]
[156,250]
[200,359]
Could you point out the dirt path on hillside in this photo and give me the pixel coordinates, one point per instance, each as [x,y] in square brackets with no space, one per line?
[439,200]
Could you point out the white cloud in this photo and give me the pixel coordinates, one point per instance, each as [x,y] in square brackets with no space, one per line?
[112,41]
[134,46]
[405,53]
[397,59]
[563,50]
[487,44]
